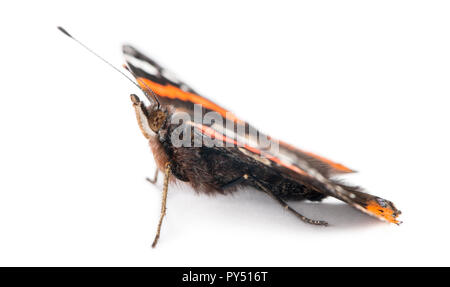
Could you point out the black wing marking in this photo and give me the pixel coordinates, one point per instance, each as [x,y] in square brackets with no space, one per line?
[143,66]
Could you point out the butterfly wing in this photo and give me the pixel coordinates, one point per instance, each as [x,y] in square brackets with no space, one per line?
[298,164]
[166,85]
[172,91]
[290,163]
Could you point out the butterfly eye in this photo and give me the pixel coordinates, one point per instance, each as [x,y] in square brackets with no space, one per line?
[156,119]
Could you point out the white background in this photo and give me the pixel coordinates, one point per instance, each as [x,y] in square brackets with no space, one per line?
[365,83]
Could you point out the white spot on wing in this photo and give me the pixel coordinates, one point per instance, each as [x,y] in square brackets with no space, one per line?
[143,65]
[128,50]
[170,76]
[184,87]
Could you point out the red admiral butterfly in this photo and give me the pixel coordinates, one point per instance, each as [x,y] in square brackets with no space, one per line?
[220,153]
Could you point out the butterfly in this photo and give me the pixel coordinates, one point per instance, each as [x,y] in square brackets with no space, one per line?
[196,141]
[287,173]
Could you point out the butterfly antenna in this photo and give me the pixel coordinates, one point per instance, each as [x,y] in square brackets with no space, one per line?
[153,99]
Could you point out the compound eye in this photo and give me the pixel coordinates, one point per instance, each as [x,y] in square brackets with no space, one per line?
[156,119]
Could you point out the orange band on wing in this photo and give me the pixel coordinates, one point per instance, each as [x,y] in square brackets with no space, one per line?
[385,213]
[172,92]
[337,166]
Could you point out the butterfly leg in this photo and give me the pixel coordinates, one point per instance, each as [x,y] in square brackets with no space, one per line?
[302,217]
[167,173]
[155,177]
[285,205]
[235,182]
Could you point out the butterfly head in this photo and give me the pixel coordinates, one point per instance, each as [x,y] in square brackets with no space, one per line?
[150,118]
